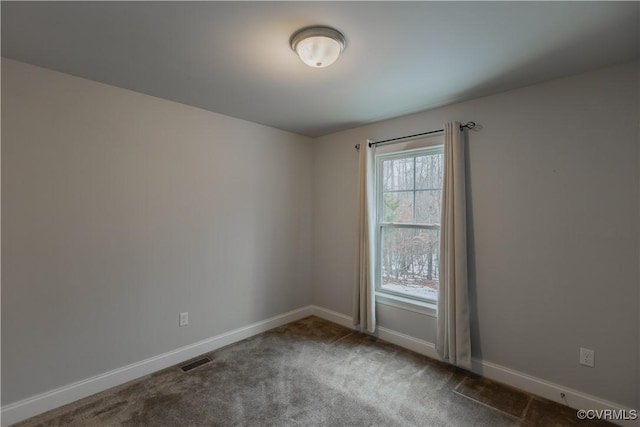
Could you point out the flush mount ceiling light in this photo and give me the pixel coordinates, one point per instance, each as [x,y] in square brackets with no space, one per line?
[318,47]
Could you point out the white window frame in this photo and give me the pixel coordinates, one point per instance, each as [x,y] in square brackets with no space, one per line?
[384,296]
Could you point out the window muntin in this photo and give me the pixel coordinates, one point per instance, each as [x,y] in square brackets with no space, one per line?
[409,194]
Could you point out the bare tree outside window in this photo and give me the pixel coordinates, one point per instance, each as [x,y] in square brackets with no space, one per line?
[410,194]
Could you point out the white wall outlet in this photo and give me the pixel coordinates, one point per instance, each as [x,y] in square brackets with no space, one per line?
[184,318]
[587,357]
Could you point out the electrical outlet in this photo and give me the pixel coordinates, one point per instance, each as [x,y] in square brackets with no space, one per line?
[184,318]
[587,357]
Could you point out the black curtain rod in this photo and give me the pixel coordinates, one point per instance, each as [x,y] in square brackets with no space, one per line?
[469,125]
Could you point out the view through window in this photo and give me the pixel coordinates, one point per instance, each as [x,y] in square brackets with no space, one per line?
[409,195]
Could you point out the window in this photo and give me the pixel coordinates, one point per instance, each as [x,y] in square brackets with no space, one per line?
[408,200]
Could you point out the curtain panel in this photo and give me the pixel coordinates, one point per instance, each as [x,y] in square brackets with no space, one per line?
[364,313]
[453,341]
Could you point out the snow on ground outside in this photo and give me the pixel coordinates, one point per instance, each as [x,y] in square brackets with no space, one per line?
[414,291]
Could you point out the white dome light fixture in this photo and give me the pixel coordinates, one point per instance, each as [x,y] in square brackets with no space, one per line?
[318,47]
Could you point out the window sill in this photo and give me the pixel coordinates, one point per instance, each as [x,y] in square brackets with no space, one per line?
[421,307]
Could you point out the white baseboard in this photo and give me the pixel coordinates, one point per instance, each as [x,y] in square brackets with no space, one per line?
[573,398]
[415,344]
[333,316]
[21,410]
[411,343]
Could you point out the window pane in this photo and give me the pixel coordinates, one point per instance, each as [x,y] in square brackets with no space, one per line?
[409,261]
[428,206]
[397,174]
[429,171]
[397,206]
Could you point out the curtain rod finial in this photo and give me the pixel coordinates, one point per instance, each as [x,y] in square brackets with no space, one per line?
[469,125]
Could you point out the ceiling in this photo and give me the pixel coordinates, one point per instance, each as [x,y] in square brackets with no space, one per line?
[234,58]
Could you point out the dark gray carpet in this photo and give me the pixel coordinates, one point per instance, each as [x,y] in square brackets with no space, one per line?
[311,373]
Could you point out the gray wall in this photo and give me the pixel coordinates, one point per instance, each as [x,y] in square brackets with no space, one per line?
[553,209]
[120,210]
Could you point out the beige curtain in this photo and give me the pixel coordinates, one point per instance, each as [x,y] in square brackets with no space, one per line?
[453,341]
[364,314]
